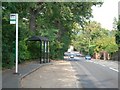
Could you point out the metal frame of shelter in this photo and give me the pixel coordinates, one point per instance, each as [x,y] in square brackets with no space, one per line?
[44,48]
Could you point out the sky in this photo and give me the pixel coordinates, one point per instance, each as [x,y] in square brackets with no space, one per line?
[106,13]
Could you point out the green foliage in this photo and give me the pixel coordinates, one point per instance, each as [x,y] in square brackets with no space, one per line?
[24,54]
[106,43]
[54,20]
[8,43]
[95,39]
[118,38]
[118,33]
[34,49]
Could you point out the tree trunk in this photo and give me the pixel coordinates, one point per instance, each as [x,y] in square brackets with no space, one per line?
[32,20]
[33,15]
[61,28]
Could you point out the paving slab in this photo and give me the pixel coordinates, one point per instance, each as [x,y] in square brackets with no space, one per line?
[58,75]
[11,80]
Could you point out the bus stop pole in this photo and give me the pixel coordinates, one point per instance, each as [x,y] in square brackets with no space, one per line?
[16,71]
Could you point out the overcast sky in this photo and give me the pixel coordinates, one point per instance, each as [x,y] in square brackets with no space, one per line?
[106,13]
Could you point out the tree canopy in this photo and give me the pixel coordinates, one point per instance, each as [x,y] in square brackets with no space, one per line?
[54,20]
[94,38]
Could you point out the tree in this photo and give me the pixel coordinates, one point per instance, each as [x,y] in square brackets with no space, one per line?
[117,36]
[54,20]
[88,36]
[118,33]
[94,38]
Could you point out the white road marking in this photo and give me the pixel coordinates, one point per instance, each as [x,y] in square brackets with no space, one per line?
[96,63]
[106,66]
[113,69]
[103,65]
[89,61]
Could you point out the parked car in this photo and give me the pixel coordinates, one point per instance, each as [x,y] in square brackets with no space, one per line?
[72,55]
[88,57]
[78,54]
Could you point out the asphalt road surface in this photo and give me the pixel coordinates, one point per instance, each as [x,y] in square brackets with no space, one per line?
[72,74]
[91,75]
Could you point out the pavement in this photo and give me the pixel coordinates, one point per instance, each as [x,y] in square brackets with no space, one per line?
[72,74]
[11,80]
[58,75]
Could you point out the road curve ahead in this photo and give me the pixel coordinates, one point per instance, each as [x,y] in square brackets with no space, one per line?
[91,75]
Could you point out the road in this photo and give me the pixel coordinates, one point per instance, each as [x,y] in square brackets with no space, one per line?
[72,74]
[91,75]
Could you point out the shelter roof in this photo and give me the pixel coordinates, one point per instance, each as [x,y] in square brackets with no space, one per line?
[37,38]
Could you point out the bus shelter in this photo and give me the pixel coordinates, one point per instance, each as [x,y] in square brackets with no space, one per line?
[44,48]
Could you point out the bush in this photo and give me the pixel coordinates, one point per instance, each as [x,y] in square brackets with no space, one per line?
[24,54]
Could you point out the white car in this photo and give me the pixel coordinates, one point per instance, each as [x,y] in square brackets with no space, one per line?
[88,57]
